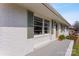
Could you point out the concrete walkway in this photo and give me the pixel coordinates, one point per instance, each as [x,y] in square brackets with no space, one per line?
[55,48]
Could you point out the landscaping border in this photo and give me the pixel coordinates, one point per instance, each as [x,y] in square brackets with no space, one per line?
[69,50]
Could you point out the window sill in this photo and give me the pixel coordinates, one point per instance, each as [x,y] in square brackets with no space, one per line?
[40,35]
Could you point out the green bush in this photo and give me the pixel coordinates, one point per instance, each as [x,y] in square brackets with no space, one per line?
[61,37]
[71,37]
[67,37]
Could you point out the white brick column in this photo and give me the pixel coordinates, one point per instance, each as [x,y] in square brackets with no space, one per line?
[54,32]
[50,29]
[66,31]
[59,29]
[43,27]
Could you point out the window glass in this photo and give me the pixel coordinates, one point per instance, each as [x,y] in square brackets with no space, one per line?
[37,25]
[52,27]
[62,28]
[46,26]
[56,25]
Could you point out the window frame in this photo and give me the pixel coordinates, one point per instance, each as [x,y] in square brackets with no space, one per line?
[43,21]
[39,26]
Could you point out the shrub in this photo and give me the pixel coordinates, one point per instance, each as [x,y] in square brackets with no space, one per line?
[61,37]
[67,37]
[71,37]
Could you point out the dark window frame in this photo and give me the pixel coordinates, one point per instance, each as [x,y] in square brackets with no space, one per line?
[38,25]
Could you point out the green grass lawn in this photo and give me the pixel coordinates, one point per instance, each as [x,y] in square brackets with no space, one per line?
[75,51]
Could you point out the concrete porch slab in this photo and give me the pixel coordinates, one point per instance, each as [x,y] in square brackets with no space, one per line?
[55,48]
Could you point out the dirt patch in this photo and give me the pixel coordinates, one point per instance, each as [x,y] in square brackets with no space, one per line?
[77,40]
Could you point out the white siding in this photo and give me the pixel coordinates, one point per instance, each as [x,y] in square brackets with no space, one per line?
[13,31]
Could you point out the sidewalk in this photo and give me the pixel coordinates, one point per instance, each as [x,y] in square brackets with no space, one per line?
[55,48]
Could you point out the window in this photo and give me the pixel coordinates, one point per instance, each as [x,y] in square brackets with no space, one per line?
[38,25]
[62,28]
[67,28]
[56,27]
[52,27]
[46,26]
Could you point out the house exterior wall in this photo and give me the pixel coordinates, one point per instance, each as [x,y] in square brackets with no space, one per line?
[14,32]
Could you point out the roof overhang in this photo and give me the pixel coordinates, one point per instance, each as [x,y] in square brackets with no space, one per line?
[45,10]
